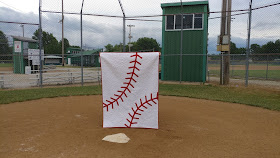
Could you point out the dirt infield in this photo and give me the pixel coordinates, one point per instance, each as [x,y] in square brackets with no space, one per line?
[243,67]
[72,127]
[6,69]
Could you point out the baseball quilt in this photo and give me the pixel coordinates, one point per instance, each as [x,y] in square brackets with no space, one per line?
[130,89]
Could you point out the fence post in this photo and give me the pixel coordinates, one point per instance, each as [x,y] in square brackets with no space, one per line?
[181,43]
[82,58]
[40,45]
[232,66]
[222,70]
[2,82]
[266,67]
[38,80]
[98,78]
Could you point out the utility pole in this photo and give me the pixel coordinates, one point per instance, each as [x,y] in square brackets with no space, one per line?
[129,37]
[224,42]
[22,29]
[62,41]
[248,44]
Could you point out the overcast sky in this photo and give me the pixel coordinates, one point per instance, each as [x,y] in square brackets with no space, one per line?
[99,31]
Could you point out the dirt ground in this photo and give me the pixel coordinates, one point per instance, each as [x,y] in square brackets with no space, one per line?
[251,67]
[6,69]
[71,127]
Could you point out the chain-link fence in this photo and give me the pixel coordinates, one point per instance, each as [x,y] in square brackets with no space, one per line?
[264,70]
[103,26]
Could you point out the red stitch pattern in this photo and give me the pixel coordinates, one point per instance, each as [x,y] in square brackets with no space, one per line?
[138,109]
[127,84]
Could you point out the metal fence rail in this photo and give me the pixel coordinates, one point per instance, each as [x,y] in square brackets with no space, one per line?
[89,27]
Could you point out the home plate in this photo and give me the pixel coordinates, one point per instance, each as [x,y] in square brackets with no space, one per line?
[117,138]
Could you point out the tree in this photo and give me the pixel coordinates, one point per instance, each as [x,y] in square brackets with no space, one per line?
[142,44]
[75,46]
[271,48]
[233,48]
[255,49]
[66,45]
[109,48]
[50,43]
[146,43]
[4,46]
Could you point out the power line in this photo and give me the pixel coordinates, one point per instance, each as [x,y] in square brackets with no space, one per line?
[245,11]
[10,6]
[74,13]
[238,10]
[23,23]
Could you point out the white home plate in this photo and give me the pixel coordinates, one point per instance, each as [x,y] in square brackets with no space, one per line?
[117,138]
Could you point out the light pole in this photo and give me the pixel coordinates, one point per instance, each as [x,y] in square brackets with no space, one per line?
[123,25]
[129,36]
[82,62]
[22,29]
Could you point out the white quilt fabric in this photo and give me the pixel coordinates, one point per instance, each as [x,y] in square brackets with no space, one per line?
[130,89]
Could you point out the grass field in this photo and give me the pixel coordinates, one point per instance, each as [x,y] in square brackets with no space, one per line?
[6,65]
[272,74]
[254,97]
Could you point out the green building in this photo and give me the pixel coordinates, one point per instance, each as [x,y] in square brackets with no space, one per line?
[72,50]
[20,52]
[195,35]
[90,58]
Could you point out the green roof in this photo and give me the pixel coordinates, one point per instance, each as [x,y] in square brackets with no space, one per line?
[88,52]
[163,5]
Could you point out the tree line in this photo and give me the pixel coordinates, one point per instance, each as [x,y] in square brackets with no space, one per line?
[144,44]
[5,49]
[50,44]
[268,51]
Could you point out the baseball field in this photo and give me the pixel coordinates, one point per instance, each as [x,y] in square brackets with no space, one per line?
[194,121]
[261,71]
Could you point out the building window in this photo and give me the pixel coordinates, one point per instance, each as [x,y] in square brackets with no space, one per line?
[198,21]
[170,22]
[190,22]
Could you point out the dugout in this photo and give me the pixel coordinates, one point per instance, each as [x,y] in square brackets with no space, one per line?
[195,36]
[20,52]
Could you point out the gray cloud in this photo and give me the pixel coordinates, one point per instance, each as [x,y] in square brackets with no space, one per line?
[96,33]
[99,31]
[266,25]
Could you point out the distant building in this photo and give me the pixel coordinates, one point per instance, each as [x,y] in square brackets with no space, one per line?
[72,50]
[90,58]
[20,53]
[53,60]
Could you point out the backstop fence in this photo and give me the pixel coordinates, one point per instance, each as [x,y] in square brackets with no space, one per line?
[92,28]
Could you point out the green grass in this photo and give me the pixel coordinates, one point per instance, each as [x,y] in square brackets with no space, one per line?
[272,74]
[10,96]
[6,65]
[254,97]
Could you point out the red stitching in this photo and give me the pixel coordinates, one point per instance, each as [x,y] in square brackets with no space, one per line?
[127,84]
[138,108]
